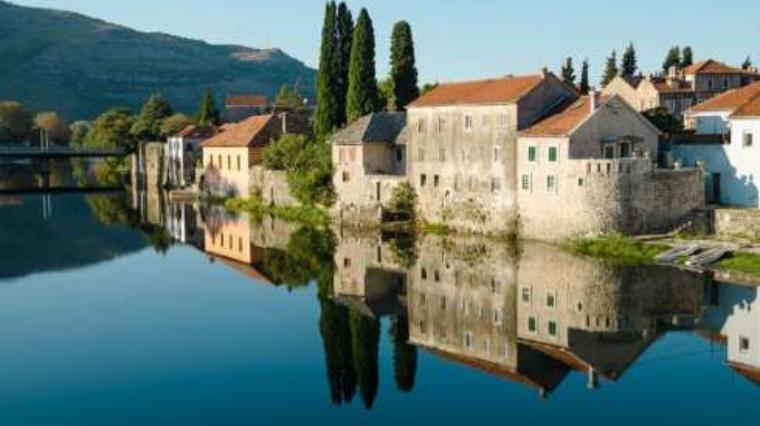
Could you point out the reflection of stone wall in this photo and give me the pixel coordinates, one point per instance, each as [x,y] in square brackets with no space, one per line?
[271,232]
[366,266]
[273,187]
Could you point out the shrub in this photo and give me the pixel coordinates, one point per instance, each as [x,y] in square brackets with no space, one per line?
[404,200]
[308,165]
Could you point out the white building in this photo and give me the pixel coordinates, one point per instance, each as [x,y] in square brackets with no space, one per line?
[182,152]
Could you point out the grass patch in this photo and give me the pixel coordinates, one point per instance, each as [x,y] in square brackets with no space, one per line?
[741,262]
[307,215]
[617,248]
[435,228]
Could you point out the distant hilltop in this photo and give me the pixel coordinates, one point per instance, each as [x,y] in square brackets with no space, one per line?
[80,66]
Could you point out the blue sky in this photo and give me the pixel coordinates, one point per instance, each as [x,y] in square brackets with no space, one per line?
[462,39]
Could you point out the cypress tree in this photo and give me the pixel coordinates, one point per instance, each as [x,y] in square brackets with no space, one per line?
[568,72]
[610,69]
[148,124]
[404,354]
[365,347]
[207,112]
[688,57]
[362,83]
[747,64]
[327,116]
[629,64]
[584,87]
[673,59]
[344,37]
[403,66]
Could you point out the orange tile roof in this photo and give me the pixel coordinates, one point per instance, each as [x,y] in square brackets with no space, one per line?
[246,101]
[712,67]
[563,122]
[494,91]
[247,133]
[193,131]
[730,100]
[749,109]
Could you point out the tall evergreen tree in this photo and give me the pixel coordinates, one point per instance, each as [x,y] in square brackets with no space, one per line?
[328,84]
[747,64]
[629,63]
[147,126]
[568,72]
[610,69]
[362,83]
[344,27]
[403,66]
[673,59]
[584,87]
[207,113]
[688,57]
[365,342]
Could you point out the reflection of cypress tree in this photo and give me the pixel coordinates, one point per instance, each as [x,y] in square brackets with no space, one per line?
[365,344]
[404,354]
[336,338]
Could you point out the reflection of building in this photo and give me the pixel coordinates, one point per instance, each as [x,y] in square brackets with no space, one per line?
[184,224]
[733,317]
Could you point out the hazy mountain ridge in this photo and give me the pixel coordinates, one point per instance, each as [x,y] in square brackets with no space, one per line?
[58,60]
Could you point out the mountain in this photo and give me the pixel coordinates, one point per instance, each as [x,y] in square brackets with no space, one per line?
[80,66]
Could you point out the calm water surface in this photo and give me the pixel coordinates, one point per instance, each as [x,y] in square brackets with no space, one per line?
[129,310]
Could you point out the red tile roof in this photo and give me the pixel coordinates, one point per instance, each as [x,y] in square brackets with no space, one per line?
[711,67]
[248,133]
[730,100]
[494,91]
[246,101]
[749,109]
[563,122]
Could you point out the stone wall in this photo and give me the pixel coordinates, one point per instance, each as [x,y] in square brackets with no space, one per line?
[273,187]
[737,222]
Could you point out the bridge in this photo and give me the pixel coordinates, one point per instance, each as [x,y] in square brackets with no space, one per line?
[50,152]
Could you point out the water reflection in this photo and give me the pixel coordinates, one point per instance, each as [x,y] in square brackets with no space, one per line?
[534,316]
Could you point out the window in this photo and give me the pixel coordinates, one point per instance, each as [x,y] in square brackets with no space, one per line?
[421,125]
[496,154]
[219,157]
[551,328]
[240,244]
[346,177]
[743,345]
[498,315]
[436,276]
[504,120]
[551,184]
[526,294]
[747,139]
[423,274]
[551,299]
[532,153]
[436,181]
[526,182]
[468,341]
[346,263]
[421,154]
[468,122]
[495,185]
[533,325]
[581,181]
[725,82]
[239,163]
[609,152]
[443,303]
[553,154]
[441,124]
[625,150]
[211,161]
[399,155]
[229,162]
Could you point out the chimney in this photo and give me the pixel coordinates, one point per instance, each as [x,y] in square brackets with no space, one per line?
[593,97]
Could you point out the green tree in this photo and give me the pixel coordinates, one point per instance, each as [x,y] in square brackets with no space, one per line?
[568,72]
[174,124]
[208,114]
[55,126]
[79,131]
[672,59]
[365,345]
[688,57]
[584,87]
[328,116]
[427,87]
[288,97]
[404,201]
[308,165]
[336,340]
[610,69]
[15,122]
[747,64]
[362,83]
[344,29]
[403,66]
[629,64]
[147,126]
[112,129]
[664,120]
[386,96]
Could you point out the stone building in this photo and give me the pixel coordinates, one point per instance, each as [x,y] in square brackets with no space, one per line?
[370,160]
[229,156]
[461,144]
[594,162]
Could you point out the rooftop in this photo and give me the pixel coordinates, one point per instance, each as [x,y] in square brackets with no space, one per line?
[730,100]
[711,67]
[563,122]
[379,127]
[193,131]
[494,91]
[247,133]
[246,101]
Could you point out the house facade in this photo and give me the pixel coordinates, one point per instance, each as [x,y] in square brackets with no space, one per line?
[370,160]
[462,146]
[595,162]
[183,151]
[229,156]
